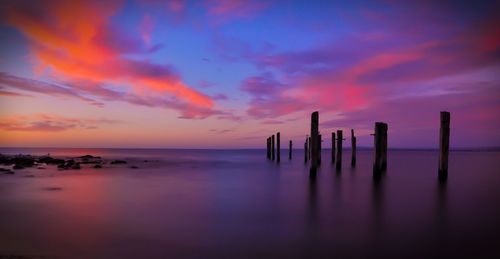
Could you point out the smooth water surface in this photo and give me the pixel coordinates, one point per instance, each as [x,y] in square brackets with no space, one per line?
[238,204]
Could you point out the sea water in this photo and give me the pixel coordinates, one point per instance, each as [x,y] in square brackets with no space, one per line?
[239,204]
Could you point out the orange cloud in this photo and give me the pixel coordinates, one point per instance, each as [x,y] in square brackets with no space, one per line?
[50,123]
[74,40]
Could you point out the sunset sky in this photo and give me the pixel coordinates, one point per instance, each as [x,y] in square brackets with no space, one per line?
[229,73]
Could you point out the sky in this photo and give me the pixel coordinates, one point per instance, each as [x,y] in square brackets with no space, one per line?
[229,73]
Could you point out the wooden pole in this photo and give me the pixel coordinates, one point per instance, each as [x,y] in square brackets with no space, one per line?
[290,150]
[278,147]
[353,149]
[309,149]
[377,164]
[319,149]
[267,148]
[444,145]
[272,147]
[314,144]
[339,150]
[384,147]
[333,147]
[306,151]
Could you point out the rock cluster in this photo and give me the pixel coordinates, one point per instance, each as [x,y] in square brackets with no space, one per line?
[27,161]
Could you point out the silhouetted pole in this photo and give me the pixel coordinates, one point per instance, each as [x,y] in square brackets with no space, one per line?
[378,139]
[290,150]
[319,149]
[306,149]
[278,146]
[384,147]
[339,150]
[444,146]
[309,154]
[314,144]
[353,149]
[267,148]
[272,147]
[333,147]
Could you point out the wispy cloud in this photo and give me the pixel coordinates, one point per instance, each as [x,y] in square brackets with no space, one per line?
[15,83]
[51,123]
[270,97]
[96,94]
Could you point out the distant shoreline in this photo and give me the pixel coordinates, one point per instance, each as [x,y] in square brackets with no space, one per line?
[457,149]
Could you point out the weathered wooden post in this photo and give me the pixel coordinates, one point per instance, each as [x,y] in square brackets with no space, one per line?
[306,151]
[444,145]
[378,139]
[278,148]
[384,146]
[272,147]
[267,148]
[314,144]
[309,149]
[319,149]
[353,149]
[290,150]
[339,150]
[333,147]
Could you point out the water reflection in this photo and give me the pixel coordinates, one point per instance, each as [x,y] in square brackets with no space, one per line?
[313,203]
[378,203]
[233,204]
[441,206]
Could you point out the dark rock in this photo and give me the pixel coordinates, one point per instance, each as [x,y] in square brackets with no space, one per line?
[5,160]
[40,167]
[90,162]
[23,161]
[89,157]
[134,167]
[70,162]
[50,161]
[57,161]
[98,166]
[17,167]
[76,166]
[118,162]
[6,171]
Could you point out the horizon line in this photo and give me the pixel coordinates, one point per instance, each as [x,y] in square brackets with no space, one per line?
[485,148]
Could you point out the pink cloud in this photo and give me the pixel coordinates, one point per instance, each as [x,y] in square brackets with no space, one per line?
[414,121]
[50,123]
[96,94]
[354,74]
[67,44]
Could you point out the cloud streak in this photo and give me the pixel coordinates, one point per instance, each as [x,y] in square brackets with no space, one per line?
[69,45]
[51,123]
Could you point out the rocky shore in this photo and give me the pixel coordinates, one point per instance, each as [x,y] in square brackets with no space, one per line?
[11,163]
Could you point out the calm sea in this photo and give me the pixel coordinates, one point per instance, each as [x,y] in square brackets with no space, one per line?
[237,204]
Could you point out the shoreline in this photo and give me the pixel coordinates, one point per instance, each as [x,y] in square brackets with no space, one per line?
[9,164]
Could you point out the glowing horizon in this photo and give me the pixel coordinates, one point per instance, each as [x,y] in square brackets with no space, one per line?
[227,74]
